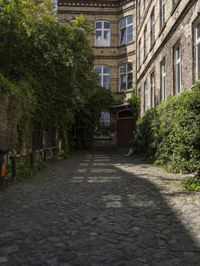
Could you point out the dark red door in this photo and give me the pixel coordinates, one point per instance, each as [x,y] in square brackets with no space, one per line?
[125,128]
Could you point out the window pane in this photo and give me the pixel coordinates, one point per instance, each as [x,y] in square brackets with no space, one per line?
[106,25]
[105,118]
[198,61]
[123,69]
[123,36]
[129,29]
[123,83]
[129,38]
[98,35]
[106,35]
[198,31]
[106,69]
[106,82]
[98,69]
[98,25]
[123,23]
[129,20]
[178,78]
[129,66]
[130,81]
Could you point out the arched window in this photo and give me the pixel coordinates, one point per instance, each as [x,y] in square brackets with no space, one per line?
[126,77]
[126,30]
[102,33]
[104,76]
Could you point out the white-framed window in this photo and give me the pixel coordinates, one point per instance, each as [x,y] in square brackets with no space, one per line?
[177,69]
[139,53]
[102,33]
[139,11]
[105,119]
[153,89]
[197,50]
[103,72]
[163,82]
[145,42]
[162,13]
[126,30]
[145,96]
[153,26]
[126,77]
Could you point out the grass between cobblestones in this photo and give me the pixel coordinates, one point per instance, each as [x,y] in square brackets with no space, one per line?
[192,184]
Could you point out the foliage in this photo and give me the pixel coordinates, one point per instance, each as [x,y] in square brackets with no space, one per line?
[192,184]
[87,119]
[48,67]
[170,133]
[134,101]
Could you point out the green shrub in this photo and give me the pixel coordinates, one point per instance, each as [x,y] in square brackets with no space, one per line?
[192,184]
[24,169]
[170,133]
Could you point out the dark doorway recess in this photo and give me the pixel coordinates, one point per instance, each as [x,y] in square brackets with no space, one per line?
[125,127]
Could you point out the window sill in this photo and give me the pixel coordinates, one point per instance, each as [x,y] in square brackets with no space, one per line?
[126,44]
[124,92]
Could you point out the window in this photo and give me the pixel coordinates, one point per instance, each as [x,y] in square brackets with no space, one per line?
[175,2]
[163,80]
[139,53]
[153,27]
[153,89]
[126,30]
[145,42]
[145,4]
[102,30]
[145,97]
[126,77]
[177,69]
[197,51]
[139,10]
[105,119]
[162,13]
[104,76]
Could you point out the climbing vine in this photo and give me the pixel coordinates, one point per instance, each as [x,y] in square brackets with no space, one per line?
[46,68]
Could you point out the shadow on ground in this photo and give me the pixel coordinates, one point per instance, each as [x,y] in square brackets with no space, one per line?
[87,211]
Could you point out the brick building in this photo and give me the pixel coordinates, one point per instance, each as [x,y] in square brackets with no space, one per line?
[114,26]
[168,48]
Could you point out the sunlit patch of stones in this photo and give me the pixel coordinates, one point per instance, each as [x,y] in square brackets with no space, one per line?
[137,201]
[82,170]
[84,164]
[103,179]
[102,170]
[101,164]
[77,179]
[112,201]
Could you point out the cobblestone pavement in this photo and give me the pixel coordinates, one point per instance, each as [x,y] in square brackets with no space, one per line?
[100,209]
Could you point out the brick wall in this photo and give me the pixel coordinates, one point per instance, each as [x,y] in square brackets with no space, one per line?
[178,28]
[115,55]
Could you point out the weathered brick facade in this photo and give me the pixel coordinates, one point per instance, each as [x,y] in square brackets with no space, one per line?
[177,29]
[114,54]
[112,11]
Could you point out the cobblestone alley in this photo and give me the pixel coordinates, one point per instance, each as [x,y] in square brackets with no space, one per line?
[100,209]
